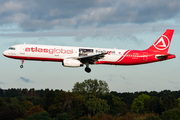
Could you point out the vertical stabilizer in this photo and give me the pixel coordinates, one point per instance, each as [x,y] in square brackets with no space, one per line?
[163,43]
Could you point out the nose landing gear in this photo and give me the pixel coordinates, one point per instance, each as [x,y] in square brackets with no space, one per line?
[21,66]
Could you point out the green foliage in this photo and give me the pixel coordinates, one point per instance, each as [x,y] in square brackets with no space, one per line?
[179,103]
[169,103]
[115,103]
[152,117]
[138,103]
[103,116]
[26,105]
[34,109]
[10,115]
[95,106]
[67,102]
[171,114]
[39,116]
[1,92]
[24,91]
[14,104]
[3,105]
[133,116]
[14,100]
[37,101]
[64,116]
[155,105]
[85,118]
[91,97]
[139,118]
[19,119]
[91,88]
[128,116]
[11,93]
[14,107]
[54,119]
[8,100]
[48,100]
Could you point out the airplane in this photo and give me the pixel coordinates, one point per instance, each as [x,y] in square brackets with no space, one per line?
[79,56]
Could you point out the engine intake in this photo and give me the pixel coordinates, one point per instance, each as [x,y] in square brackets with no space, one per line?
[71,63]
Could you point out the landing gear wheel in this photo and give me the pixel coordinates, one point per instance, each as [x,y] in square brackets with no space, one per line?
[88,70]
[21,66]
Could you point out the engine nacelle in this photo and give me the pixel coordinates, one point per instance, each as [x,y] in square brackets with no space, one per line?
[71,63]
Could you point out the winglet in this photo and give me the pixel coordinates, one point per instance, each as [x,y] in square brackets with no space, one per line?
[163,43]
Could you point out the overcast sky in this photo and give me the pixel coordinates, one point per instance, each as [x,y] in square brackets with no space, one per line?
[121,24]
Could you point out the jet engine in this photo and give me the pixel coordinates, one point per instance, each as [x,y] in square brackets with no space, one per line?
[71,63]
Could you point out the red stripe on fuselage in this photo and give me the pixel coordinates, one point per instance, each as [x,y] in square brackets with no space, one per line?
[124,55]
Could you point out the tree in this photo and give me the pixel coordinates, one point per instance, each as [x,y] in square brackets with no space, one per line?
[95,106]
[138,103]
[116,104]
[48,100]
[171,114]
[3,105]
[14,104]
[11,92]
[26,105]
[179,103]
[24,91]
[156,105]
[14,107]
[103,116]
[64,116]
[169,103]
[8,100]
[14,100]
[90,88]
[67,102]
[11,115]
[34,109]
[148,105]
[152,117]
[1,92]
[39,116]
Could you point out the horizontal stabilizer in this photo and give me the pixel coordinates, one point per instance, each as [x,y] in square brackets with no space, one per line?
[163,56]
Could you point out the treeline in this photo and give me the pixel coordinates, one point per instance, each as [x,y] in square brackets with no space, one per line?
[89,100]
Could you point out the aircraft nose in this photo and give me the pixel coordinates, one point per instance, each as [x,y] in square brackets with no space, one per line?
[5,53]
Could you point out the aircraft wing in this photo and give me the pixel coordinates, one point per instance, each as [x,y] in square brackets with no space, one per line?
[91,58]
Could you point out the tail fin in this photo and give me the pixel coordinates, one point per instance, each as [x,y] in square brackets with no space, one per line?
[163,43]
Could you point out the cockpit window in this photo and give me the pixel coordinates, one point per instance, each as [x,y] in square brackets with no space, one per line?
[11,48]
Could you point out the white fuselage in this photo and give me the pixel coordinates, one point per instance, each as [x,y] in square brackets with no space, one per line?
[58,53]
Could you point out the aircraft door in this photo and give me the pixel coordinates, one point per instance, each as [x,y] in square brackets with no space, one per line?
[22,49]
[145,56]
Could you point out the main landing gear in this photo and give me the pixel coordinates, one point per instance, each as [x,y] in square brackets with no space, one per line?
[87,69]
[21,66]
